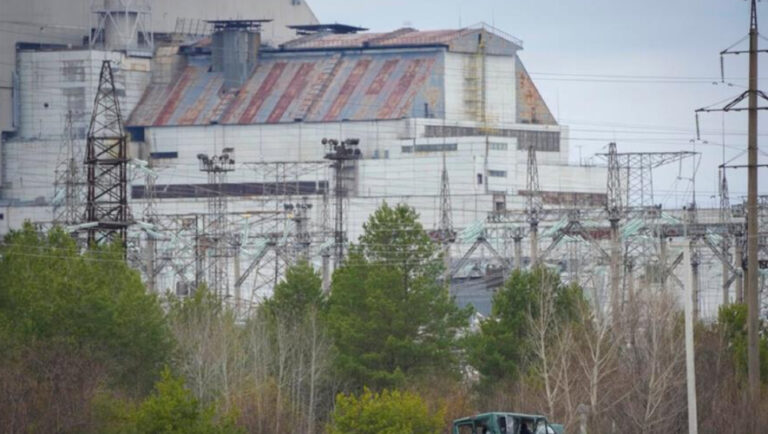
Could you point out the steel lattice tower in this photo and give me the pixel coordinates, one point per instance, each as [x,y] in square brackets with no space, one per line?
[217,230]
[339,153]
[534,205]
[68,203]
[106,162]
[447,234]
[614,204]
[637,174]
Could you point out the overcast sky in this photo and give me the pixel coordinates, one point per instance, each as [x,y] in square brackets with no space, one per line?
[615,70]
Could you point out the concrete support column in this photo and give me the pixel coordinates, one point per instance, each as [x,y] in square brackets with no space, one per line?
[326,272]
[615,270]
[518,252]
[238,286]
[695,285]
[738,262]
[534,244]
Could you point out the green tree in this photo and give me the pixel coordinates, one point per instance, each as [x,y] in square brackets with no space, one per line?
[298,293]
[389,316]
[49,291]
[732,320]
[503,348]
[385,413]
[172,408]
[301,359]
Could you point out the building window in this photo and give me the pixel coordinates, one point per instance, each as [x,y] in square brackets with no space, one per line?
[163,155]
[542,141]
[498,146]
[445,147]
[497,173]
[479,179]
[73,70]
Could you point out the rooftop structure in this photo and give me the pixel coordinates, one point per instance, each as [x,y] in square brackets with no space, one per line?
[332,76]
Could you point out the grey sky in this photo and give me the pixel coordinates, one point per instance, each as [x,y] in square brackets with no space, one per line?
[632,72]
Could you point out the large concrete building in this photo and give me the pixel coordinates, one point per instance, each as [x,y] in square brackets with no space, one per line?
[418,101]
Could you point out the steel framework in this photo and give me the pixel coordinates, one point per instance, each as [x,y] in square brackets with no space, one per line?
[217,233]
[68,186]
[107,205]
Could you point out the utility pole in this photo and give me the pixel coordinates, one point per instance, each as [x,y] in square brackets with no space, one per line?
[517,237]
[690,367]
[326,254]
[339,153]
[753,309]
[738,264]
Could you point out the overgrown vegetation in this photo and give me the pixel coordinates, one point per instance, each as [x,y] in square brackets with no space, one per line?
[84,348]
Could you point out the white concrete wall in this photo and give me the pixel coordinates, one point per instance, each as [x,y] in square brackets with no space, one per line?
[500,85]
[54,82]
[30,172]
[455,84]
[500,90]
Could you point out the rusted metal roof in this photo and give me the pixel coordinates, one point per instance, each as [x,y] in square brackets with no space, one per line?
[311,87]
[456,39]
[531,108]
[405,36]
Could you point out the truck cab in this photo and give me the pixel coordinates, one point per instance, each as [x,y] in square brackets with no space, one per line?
[505,423]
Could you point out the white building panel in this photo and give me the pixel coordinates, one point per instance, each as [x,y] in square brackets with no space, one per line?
[53,83]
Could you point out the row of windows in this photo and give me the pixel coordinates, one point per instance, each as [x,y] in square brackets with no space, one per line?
[542,141]
[497,173]
[497,146]
[443,147]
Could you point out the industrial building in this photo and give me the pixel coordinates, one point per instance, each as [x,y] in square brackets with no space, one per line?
[250,146]
[70,23]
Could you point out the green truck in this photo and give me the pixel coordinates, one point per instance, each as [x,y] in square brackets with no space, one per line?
[505,423]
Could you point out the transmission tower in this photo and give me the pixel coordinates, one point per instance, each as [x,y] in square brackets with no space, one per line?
[340,153]
[637,175]
[726,215]
[68,199]
[106,163]
[534,204]
[216,233]
[445,228]
[614,209]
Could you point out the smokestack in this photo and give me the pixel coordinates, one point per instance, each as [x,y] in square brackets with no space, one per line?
[235,49]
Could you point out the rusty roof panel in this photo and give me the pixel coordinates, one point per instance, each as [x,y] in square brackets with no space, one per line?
[311,87]
[531,108]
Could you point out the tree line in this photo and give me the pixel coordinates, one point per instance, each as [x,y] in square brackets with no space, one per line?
[85,348]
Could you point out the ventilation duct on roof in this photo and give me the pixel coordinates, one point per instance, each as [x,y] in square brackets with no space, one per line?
[123,25]
[235,49]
